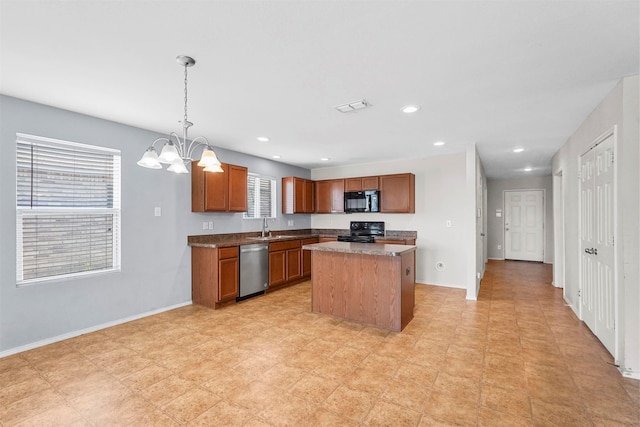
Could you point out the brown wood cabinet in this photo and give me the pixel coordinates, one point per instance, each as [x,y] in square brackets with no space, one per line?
[298,195]
[285,265]
[214,275]
[396,241]
[219,191]
[361,183]
[397,193]
[330,196]
[306,256]
[228,273]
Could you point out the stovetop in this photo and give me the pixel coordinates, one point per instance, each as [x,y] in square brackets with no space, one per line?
[356,239]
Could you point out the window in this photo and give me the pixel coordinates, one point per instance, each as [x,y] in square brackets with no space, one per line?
[261,197]
[67,209]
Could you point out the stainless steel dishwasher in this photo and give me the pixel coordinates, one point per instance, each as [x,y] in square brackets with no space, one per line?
[254,269]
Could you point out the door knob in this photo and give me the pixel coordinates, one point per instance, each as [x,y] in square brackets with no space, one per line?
[589,251]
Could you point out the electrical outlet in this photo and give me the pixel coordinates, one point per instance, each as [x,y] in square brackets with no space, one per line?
[290,223]
[499,247]
[210,225]
[205,225]
[448,223]
[157,211]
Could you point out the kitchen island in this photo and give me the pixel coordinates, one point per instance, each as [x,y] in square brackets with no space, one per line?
[364,282]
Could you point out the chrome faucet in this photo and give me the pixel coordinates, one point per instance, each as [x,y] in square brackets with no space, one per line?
[265,228]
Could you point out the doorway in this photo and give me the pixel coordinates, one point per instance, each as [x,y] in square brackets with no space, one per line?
[524,225]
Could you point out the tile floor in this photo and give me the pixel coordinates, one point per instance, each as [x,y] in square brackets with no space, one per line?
[516,357]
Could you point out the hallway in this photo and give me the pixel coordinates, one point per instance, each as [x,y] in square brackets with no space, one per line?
[516,357]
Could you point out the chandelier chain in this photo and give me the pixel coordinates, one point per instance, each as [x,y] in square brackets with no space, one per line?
[185,95]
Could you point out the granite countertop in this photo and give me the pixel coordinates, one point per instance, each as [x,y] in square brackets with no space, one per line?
[361,248]
[237,239]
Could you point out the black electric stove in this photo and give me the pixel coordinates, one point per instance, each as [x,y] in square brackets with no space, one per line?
[363,232]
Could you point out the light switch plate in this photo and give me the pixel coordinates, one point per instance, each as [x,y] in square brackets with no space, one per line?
[157,211]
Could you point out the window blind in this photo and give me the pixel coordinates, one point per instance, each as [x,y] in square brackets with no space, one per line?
[261,195]
[68,208]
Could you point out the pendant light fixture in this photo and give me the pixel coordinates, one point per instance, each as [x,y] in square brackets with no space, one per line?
[178,154]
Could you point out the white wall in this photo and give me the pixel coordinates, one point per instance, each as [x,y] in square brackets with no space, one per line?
[156,261]
[441,195]
[619,109]
[495,200]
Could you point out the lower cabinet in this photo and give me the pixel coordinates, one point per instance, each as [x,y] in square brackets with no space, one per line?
[397,242]
[228,269]
[285,262]
[214,275]
[306,256]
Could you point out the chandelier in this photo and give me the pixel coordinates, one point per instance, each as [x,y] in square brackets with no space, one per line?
[178,154]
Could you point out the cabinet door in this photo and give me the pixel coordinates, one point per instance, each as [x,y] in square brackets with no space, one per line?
[337,195]
[227,279]
[323,196]
[309,196]
[370,183]
[216,190]
[397,193]
[353,184]
[277,267]
[293,264]
[306,257]
[298,196]
[237,188]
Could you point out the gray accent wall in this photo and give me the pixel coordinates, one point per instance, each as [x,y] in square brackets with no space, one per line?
[156,261]
[495,201]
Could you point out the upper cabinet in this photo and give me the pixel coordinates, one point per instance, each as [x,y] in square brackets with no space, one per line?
[219,192]
[330,196]
[397,193]
[361,184]
[298,195]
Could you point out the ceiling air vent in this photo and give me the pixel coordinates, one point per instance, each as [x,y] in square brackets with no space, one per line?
[353,106]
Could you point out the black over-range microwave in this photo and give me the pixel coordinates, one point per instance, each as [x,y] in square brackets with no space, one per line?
[362,201]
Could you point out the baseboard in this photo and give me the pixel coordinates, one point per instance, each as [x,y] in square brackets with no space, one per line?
[628,373]
[496,259]
[74,334]
[424,282]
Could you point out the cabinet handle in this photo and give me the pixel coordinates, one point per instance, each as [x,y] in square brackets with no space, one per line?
[407,271]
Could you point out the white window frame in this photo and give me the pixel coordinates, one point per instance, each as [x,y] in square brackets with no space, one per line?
[256,208]
[82,213]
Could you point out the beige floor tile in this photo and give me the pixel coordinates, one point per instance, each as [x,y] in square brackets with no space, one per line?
[314,388]
[190,405]
[389,414]
[353,404]
[451,409]
[406,394]
[509,401]
[517,356]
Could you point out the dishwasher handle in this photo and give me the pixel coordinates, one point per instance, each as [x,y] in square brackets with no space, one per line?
[258,249]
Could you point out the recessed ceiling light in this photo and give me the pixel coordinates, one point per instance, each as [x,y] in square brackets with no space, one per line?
[410,109]
[528,169]
[275,156]
[518,150]
[324,159]
[262,139]
[439,143]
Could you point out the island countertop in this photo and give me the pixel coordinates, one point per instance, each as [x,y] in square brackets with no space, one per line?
[361,248]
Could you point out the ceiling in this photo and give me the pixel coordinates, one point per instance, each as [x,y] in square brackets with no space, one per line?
[500,74]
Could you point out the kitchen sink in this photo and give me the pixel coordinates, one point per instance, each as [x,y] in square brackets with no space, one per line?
[271,237]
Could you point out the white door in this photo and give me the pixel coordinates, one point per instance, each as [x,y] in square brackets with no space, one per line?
[597,281]
[524,225]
